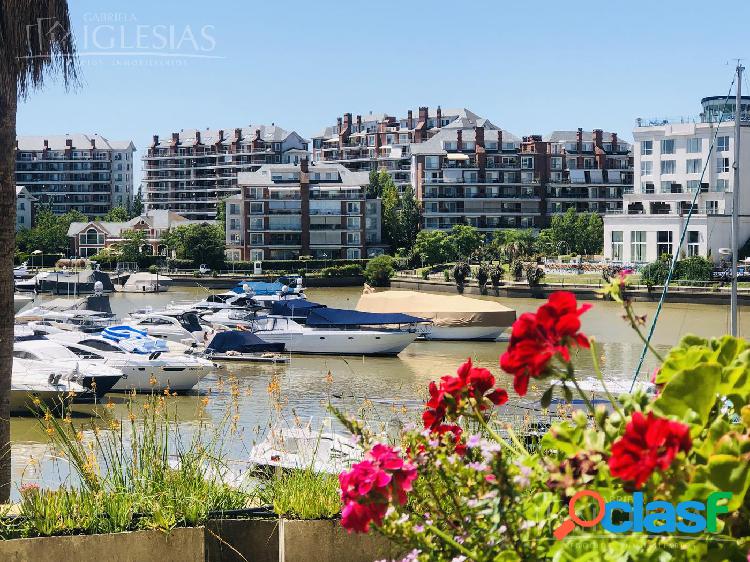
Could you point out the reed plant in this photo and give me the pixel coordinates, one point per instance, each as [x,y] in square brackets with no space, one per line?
[302,494]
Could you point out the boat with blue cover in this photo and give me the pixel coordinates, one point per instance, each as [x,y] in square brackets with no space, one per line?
[241,345]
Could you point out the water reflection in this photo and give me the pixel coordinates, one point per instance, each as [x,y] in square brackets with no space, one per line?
[385,389]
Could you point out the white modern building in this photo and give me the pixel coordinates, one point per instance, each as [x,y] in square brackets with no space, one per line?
[24,208]
[668,161]
[89,173]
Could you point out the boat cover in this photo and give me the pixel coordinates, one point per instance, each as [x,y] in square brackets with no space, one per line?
[442,310]
[339,317]
[294,307]
[242,342]
[259,287]
[134,340]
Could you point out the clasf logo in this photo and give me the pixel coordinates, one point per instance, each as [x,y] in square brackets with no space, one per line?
[653,517]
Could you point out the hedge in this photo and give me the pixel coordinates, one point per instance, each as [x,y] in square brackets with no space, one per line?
[350,270]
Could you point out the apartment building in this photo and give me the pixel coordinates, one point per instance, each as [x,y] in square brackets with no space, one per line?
[669,159]
[88,173]
[473,172]
[24,208]
[192,170]
[588,172]
[380,141]
[89,238]
[285,211]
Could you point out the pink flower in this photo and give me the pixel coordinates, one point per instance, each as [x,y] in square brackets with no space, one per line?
[382,478]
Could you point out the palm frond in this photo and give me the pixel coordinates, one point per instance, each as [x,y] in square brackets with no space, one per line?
[36,41]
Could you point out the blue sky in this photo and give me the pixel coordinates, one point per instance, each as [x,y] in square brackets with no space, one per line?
[528,67]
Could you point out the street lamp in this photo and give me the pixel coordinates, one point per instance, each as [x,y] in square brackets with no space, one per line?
[36,253]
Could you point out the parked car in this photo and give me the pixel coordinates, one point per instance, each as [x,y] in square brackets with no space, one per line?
[203,269]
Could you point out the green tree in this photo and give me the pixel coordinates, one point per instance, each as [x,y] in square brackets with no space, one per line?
[36,39]
[465,240]
[408,217]
[390,203]
[131,247]
[519,243]
[200,243]
[592,233]
[374,188]
[116,214]
[431,246]
[50,233]
[221,212]
[136,209]
[578,233]
[379,270]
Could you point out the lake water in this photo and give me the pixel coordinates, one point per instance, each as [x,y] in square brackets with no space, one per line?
[387,390]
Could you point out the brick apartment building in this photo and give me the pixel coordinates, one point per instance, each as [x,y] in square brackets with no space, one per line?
[192,170]
[285,211]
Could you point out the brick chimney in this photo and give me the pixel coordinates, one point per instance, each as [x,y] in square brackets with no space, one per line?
[237,134]
[256,140]
[613,140]
[479,136]
[423,114]
[221,136]
[93,144]
[156,140]
[500,139]
[439,116]
[175,138]
[579,148]
[359,122]
[197,137]
[459,140]
[599,155]
[304,166]
[409,119]
[69,143]
[597,134]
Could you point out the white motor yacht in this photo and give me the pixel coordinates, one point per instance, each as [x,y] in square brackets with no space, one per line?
[37,383]
[91,374]
[177,325]
[148,364]
[327,331]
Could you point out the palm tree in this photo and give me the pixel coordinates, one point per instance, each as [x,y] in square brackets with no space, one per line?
[35,40]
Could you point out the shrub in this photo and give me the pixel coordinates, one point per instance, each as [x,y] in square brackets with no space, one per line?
[351,270]
[425,273]
[483,276]
[516,270]
[303,494]
[496,275]
[379,271]
[655,273]
[153,269]
[446,275]
[695,268]
[534,274]
[180,264]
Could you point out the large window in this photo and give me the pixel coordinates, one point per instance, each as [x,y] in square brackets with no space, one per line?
[668,166]
[647,148]
[693,243]
[712,207]
[722,185]
[693,165]
[722,144]
[647,168]
[694,145]
[638,245]
[722,164]
[432,162]
[664,243]
[617,245]
[667,146]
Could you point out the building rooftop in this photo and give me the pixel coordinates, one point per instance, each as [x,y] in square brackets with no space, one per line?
[188,137]
[572,136]
[264,175]
[80,141]
[156,219]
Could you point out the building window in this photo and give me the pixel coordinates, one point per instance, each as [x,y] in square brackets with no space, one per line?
[694,145]
[722,144]
[664,243]
[712,207]
[694,165]
[668,166]
[234,224]
[352,208]
[432,162]
[234,209]
[647,187]
[256,208]
[256,239]
[693,239]
[353,253]
[722,165]
[617,245]
[256,255]
[638,245]
[667,146]
[647,168]
[352,238]
[353,223]
[647,148]
[722,185]
[527,163]
[256,223]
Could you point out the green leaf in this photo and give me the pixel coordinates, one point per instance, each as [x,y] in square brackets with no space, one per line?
[730,473]
[690,390]
[547,397]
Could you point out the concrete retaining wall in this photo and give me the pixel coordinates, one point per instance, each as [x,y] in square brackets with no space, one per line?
[227,282]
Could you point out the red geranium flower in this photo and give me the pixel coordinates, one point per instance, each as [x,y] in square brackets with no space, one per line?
[370,486]
[649,443]
[447,398]
[537,337]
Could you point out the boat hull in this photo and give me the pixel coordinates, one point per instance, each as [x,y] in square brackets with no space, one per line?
[464,333]
[159,378]
[333,342]
[22,402]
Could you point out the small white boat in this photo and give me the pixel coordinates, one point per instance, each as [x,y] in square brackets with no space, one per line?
[303,448]
[21,271]
[144,282]
[37,383]
[453,317]
[322,334]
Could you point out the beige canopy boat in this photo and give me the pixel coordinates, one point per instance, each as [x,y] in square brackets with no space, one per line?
[454,317]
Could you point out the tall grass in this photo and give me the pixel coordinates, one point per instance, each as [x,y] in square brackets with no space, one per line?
[302,494]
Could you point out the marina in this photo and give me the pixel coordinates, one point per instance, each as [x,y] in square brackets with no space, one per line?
[390,390]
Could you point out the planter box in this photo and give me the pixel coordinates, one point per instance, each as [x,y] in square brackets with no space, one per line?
[273,540]
[179,545]
[222,540]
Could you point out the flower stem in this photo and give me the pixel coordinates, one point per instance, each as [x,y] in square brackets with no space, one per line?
[600,376]
[490,431]
[634,324]
[451,541]
[571,377]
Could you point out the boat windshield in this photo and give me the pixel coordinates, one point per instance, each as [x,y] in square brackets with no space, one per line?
[190,322]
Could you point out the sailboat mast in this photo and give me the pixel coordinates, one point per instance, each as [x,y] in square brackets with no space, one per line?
[736,199]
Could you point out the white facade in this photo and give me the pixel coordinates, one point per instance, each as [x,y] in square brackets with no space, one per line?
[24,208]
[669,159]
